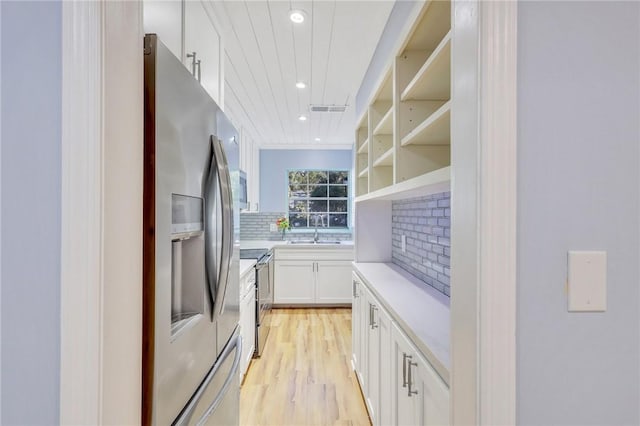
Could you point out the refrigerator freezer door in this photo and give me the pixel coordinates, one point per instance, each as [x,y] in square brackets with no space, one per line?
[216,402]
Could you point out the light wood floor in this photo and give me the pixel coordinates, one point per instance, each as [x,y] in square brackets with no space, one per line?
[304,376]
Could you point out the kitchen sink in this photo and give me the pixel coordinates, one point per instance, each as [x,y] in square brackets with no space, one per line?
[312,242]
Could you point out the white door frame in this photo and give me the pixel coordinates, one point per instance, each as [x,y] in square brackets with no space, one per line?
[101,265]
[483,302]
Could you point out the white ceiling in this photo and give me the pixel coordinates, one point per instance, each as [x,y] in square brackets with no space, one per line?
[266,54]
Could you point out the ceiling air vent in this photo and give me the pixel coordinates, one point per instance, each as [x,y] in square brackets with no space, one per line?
[327,108]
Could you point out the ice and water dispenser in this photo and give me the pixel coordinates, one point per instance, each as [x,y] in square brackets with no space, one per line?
[188,281]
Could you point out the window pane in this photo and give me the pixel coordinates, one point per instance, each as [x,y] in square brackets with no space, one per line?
[298,178]
[317,177]
[338,206]
[298,220]
[339,177]
[318,191]
[338,191]
[318,206]
[298,191]
[338,220]
[298,206]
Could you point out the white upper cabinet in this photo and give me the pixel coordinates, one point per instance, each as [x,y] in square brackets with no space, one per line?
[186,27]
[202,38]
[164,18]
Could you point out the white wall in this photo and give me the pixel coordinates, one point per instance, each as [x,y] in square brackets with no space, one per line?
[31,203]
[578,187]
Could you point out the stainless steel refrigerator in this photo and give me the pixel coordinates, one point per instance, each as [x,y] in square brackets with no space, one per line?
[191,342]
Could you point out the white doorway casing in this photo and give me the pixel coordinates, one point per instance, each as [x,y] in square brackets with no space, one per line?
[483,300]
[101,271]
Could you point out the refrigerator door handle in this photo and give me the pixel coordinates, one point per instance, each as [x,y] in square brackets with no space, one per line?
[227,225]
[185,417]
[212,264]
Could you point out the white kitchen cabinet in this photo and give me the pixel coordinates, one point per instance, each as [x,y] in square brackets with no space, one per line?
[332,281]
[399,385]
[201,37]
[164,18]
[247,330]
[187,26]
[313,276]
[294,282]
[357,327]
[419,394]
[247,319]
[377,356]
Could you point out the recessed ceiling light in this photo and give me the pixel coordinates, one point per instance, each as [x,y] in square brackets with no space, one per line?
[300,85]
[302,118]
[296,16]
[317,139]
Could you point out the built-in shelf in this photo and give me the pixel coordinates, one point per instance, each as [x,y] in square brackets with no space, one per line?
[429,183]
[433,79]
[385,127]
[385,159]
[364,147]
[364,172]
[435,130]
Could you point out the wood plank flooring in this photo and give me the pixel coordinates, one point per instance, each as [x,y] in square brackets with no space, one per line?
[304,376]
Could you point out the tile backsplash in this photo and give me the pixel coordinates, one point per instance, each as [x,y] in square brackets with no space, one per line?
[426,224]
[255,226]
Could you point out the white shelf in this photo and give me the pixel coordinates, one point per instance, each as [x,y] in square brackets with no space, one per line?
[435,130]
[364,172]
[430,183]
[385,159]
[364,147]
[433,79]
[385,127]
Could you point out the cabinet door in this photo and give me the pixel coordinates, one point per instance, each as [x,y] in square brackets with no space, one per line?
[294,282]
[356,328]
[435,395]
[247,330]
[164,18]
[406,408]
[333,282]
[201,36]
[385,391]
[373,358]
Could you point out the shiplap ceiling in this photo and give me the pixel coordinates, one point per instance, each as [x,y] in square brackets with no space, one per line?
[266,54]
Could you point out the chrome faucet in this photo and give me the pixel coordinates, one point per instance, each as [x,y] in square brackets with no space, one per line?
[315,234]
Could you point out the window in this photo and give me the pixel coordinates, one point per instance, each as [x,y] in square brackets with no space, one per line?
[321,196]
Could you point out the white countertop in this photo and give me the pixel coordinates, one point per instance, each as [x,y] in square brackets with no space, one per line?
[269,244]
[246,265]
[422,312]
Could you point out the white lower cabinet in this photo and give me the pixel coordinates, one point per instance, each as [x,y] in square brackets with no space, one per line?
[312,277]
[247,319]
[294,281]
[399,385]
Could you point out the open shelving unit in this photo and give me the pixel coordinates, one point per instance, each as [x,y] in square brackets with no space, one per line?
[407,123]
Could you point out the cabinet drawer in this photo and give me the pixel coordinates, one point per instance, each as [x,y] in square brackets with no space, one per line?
[312,253]
[247,281]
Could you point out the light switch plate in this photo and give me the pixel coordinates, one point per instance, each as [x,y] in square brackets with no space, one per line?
[273,227]
[404,243]
[587,281]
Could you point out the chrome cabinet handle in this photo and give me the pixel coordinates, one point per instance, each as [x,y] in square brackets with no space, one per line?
[198,75]
[370,315]
[193,56]
[404,369]
[374,308]
[410,379]
[355,294]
